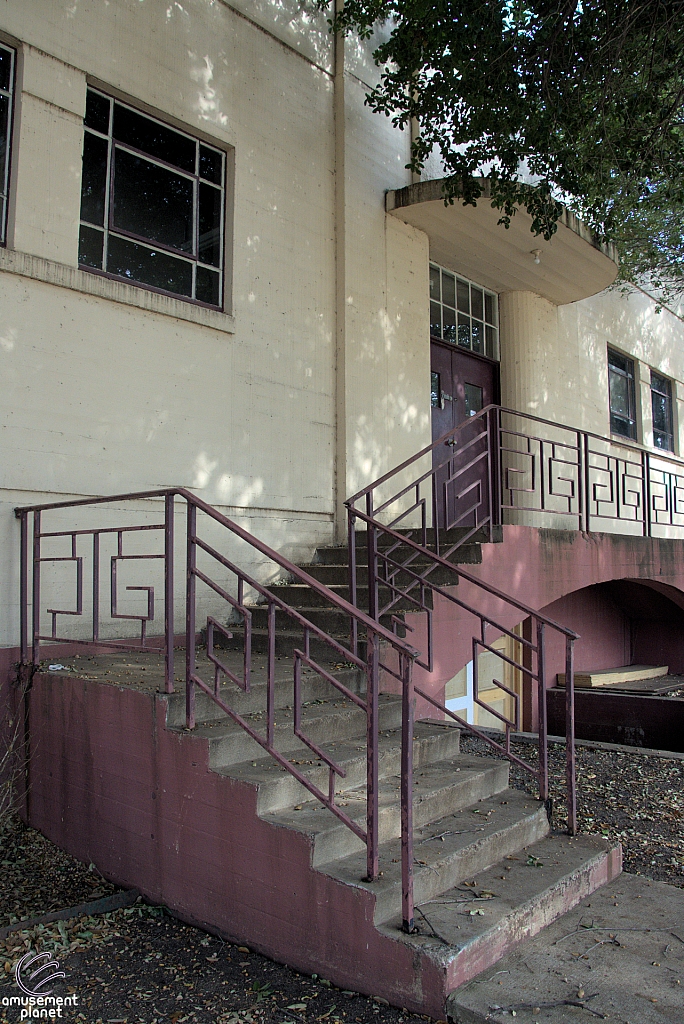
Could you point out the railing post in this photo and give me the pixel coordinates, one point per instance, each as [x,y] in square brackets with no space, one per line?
[500,462]
[23,590]
[372,553]
[491,472]
[541,708]
[408,707]
[372,685]
[351,549]
[587,485]
[581,506]
[96,587]
[435,511]
[169,623]
[570,735]
[36,589]
[191,564]
[646,473]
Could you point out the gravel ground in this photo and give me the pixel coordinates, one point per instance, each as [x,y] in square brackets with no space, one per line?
[631,797]
[141,966]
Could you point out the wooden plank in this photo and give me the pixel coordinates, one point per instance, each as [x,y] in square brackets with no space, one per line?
[605,677]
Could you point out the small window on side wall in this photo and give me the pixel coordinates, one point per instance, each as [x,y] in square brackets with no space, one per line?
[152,203]
[6,98]
[622,395]
[661,406]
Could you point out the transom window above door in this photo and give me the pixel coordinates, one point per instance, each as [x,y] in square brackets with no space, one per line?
[463,313]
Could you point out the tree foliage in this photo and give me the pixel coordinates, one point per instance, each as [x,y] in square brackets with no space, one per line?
[585,98]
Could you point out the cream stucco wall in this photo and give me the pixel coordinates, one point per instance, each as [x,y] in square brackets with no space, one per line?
[554,358]
[108,388]
[315,378]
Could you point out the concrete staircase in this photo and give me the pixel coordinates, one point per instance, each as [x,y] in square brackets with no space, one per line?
[331,567]
[488,870]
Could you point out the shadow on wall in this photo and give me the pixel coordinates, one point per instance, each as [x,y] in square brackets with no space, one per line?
[620,622]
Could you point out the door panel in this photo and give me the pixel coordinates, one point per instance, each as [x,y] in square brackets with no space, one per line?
[462,385]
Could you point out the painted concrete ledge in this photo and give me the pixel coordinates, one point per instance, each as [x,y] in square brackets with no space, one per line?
[77,280]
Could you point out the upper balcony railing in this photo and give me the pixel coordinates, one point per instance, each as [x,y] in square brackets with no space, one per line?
[566,475]
[502,466]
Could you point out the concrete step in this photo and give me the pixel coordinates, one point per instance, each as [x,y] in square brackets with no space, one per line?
[323,723]
[331,620]
[446,537]
[440,789]
[338,575]
[322,651]
[314,687]
[449,851]
[299,596]
[466,554]
[278,790]
[513,900]
[287,640]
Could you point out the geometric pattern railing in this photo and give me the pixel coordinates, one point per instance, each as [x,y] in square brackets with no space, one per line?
[207,566]
[560,471]
[501,466]
[393,566]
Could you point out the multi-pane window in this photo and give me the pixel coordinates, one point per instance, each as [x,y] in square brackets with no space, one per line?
[622,395]
[6,90]
[463,313]
[152,203]
[661,405]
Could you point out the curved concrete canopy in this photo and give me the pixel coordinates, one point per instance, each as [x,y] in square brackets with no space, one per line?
[468,240]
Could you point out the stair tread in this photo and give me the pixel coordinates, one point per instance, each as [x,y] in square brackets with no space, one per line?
[517,895]
[315,819]
[322,722]
[458,831]
[347,753]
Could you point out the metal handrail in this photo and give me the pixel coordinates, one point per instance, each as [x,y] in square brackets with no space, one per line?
[620,442]
[371,665]
[475,449]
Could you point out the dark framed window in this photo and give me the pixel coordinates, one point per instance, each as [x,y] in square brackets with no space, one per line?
[622,395]
[152,203]
[435,390]
[661,406]
[463,313]
[6,106]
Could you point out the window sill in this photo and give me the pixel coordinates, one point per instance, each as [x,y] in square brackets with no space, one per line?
[39,269]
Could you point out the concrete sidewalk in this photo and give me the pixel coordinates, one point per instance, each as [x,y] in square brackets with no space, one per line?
[619,956]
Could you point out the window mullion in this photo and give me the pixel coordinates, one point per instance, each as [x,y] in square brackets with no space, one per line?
[109,187]
[155,204]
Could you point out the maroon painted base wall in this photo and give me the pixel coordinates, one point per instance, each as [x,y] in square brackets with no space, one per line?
[552,571]
[110,784]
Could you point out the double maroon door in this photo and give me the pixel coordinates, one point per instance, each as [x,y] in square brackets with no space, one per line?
[461,385]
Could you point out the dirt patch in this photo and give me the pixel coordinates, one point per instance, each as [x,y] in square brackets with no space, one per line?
[634,798]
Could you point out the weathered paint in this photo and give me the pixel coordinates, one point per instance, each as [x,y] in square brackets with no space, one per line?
[542,568]
[110,784]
